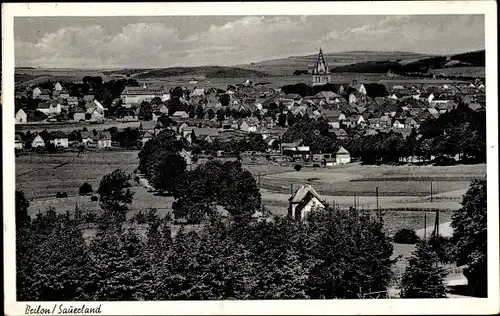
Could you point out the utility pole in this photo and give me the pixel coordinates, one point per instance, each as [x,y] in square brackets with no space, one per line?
[431,191]
[376,193]
[425,226]
[259,180]
[437,223]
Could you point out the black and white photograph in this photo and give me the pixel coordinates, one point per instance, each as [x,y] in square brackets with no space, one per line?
[282,156]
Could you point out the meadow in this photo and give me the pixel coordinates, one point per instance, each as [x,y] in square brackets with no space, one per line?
[68,127]
[401,188]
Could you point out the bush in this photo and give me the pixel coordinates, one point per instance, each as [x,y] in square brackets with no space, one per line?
[444,161]
[85,189]
[60,195]
[297,167]
[406,236]
[94,198]
[316,165]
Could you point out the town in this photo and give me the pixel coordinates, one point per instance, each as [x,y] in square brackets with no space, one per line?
[361,175]
[209,119]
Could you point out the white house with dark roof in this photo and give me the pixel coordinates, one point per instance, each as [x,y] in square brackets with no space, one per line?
[304,201]
[342,156]
[21,117]
[59,139]
[103,139]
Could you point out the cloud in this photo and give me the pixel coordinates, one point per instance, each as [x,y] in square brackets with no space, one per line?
[251,38]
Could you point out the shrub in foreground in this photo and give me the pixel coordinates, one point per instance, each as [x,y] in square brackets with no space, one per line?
[406,236]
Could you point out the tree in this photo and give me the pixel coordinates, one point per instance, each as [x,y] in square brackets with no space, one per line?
[224,99]
[220,115]
[169,167]
[351,254]
[406,236]
[470,237]
[121,268]
[199,111]
[199,191]
[85,189]
[282,120]
[61,270]
[210,114]
[423,278]
[22,217]
[145,111]
[115,198]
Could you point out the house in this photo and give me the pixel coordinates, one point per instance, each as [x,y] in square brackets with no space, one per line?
[248,126]
[132,95]
[359,119]
[18,142]
[374,122]
[295,148]
[333,114]
[95,115]
[85,137]
[78,114]
[162,108]
[36,92]
[50,108]
[72,101]
[410,122]
[303,201]
[340,133]
[88,98]
[126,114]
[356,97]
[44,95]
[63,95]
[342,156]
[180,114]
[398,124]
[36,141]
[59,139]
[197,92]
[187,157]
[94,105]
[58,87]
[103,139]
[145,137]
[334,123]
[206,134]
[148,126]
[21,117]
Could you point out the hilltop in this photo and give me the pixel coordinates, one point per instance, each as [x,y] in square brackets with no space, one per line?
[379,62]
[286,66]
[206,71]
[466,64]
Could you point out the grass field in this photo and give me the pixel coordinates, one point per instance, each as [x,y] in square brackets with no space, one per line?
[69,127]
[42,176]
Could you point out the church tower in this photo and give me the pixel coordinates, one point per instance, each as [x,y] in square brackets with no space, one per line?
[320,72]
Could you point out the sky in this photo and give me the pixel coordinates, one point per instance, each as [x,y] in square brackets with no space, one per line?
[169,41]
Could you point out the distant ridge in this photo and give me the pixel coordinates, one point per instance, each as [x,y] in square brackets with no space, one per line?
[370,62]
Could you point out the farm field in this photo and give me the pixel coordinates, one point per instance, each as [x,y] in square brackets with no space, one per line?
[346,180]
[42,176]
[69,127]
